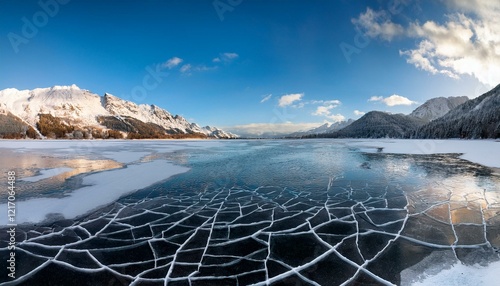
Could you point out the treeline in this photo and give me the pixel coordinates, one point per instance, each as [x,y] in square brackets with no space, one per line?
[52,127]
[14,128]
[132,135]
[136,129]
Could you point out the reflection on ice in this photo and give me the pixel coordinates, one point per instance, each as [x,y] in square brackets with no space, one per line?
[44,174]
[460,203]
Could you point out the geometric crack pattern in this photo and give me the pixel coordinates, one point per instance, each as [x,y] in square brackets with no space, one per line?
[350,233]
[272,213]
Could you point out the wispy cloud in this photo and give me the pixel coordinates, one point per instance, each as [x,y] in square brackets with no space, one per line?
[171,63]
[225,57]
[189,68]
[266,98]
[335,102]
[186,68]
[288,99]
[377,24]
[393,100]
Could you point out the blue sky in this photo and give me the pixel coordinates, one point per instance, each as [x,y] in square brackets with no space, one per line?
[246,65]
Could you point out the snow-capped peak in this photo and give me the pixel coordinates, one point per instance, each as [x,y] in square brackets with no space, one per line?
[81,107]
[437,107]
[65,87]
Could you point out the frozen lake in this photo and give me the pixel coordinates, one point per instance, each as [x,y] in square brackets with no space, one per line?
[263,212]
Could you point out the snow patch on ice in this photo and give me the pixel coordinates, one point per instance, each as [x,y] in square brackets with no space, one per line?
[125,157]
[48,173]
[102,188]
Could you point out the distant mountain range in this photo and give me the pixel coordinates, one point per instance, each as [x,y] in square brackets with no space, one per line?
[453,117]
[71,112]
[325,128]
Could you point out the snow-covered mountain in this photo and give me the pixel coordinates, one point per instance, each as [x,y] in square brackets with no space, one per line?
[324,129]
[436,107]
[476,118]
[81,108]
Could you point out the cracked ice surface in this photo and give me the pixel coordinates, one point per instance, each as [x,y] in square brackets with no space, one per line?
[230,235]
[303,214]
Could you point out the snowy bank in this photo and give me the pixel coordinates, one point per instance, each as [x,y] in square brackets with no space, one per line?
[484,152]
[101,189]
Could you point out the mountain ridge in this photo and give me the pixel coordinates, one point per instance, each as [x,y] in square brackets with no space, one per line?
[437,118]
[81,109]
[375,124]
[437,107]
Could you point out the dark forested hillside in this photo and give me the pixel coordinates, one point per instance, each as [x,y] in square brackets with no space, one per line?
[476,118]
[377,124]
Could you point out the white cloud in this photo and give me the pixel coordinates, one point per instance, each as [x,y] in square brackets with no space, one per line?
[186,68]
[393,100]
[288,99]
[463,45]
[266,98]
[322,110]
[326,111]
[216,60]
[259,129]
[171,63]
[466,42]
[377,24]
[336,117]
[358,113]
